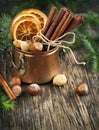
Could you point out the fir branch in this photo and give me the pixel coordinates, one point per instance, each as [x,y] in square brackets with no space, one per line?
[5,37]
[88,39]
[5,103]
[83,39]
[95,63]
[91,17]
[88,45]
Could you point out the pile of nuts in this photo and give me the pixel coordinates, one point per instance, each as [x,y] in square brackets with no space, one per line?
[15,84]
[28,45]
[34,89]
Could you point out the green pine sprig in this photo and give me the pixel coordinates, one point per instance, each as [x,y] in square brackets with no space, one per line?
[91,47]
[5,102]
[5,41]
[91,17]
[5,37]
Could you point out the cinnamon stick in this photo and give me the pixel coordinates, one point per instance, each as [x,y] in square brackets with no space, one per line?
[66,23]
[7,88]
[55,22]
[75,22]
[59,27]
[50,18]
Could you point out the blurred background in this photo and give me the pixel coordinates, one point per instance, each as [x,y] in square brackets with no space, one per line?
[80,5]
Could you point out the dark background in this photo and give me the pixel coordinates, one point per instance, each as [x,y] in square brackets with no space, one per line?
[6,5]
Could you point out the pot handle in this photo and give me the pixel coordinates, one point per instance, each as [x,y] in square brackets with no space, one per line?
[21,64]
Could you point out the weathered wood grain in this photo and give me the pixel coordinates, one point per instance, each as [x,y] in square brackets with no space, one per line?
[58,108]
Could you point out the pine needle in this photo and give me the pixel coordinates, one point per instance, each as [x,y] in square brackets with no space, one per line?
[5,102]
[5,37]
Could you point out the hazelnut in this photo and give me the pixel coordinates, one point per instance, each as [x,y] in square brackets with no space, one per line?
[33,89]
[15,80]
[36,47]
[29,41]
[24,46]
[17,90]
[82,88]
[17,43]
[59,79]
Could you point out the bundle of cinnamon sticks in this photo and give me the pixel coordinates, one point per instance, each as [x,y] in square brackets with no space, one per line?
[60,23]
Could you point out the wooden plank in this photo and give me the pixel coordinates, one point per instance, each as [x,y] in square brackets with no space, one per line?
[58,108]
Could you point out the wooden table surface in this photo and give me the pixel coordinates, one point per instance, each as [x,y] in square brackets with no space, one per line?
[58,108]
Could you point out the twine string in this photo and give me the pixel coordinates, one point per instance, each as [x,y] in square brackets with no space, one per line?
[58,43]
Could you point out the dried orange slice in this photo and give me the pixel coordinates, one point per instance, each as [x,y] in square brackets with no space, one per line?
[25,28]
[35,13]
[39,14]
[16,19]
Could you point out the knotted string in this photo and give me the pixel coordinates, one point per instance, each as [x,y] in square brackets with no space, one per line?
[58,43]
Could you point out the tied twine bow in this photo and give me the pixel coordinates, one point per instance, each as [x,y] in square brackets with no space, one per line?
[58,43]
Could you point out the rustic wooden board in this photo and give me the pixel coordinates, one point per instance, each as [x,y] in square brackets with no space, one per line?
[58,108]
